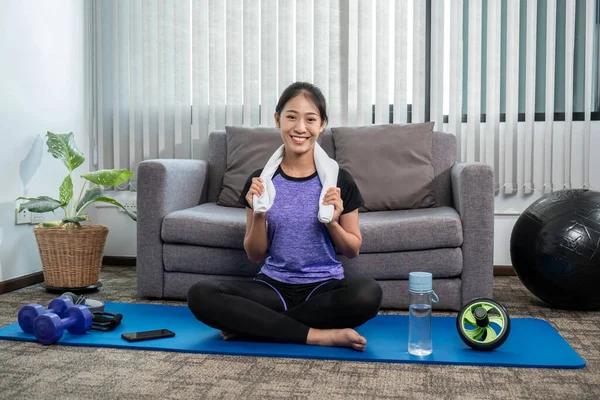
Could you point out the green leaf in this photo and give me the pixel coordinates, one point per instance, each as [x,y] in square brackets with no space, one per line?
[78,218]
[90,194]
[51,224]
[108,177]
[132,215]
[65,192]
[40,204]
[62,147]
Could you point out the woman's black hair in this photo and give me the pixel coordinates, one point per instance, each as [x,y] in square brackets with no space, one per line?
[313,92]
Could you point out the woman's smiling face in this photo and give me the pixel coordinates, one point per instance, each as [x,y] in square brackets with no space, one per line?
[300,124]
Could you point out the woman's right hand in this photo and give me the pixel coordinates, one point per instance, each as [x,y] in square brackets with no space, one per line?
[256,188]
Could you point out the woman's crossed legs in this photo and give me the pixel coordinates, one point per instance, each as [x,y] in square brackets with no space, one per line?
[321,313]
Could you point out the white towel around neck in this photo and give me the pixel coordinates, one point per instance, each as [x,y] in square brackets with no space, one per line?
[327,169]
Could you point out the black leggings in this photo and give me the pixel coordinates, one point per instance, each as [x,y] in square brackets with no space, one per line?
[268,310]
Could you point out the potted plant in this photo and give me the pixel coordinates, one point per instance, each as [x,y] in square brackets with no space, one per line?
[71,252]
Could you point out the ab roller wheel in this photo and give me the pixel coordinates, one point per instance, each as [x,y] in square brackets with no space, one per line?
[483,324]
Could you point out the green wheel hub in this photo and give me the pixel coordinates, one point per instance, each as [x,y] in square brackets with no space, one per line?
[483,324]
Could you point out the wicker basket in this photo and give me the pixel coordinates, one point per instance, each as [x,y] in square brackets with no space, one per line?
[71,258]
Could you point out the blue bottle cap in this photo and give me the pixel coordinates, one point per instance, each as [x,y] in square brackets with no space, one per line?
[420,281]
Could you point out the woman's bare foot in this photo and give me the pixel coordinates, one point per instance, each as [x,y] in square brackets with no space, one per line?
[227,335]
[336,337]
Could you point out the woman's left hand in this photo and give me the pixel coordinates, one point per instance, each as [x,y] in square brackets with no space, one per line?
[333,196]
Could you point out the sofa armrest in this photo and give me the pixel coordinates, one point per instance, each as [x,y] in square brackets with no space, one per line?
[164,186]
[473,192]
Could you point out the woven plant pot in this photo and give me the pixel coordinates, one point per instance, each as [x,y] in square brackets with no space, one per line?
[71,258]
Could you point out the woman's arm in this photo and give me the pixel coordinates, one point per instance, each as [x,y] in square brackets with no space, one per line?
[255,239]
[345,234]
[343,228]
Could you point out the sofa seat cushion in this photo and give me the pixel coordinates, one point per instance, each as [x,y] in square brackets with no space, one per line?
[441,263]
[211,225]
[409,230]
[208,225]
[208,260]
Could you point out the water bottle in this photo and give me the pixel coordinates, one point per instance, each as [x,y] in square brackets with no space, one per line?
[421,297]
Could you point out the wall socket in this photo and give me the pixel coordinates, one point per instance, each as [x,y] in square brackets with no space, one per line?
[23,217]
[127,199]
[130,205]
[37,218]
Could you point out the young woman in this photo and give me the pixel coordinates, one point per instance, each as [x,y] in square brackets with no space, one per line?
[301,294]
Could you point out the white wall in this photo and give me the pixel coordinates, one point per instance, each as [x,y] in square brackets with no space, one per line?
[121,241]
[42,87]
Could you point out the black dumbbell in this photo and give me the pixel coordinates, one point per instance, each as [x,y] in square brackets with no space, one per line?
[49,328]
[28,313]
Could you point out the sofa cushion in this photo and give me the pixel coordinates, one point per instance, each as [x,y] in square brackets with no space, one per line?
[248,149]
[395,293]
[208,260]
[391,164]
[441,263]
[206,225]
[212,225]
[408,230]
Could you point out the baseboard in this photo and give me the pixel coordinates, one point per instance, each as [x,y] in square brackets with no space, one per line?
[21,282]
[118,261]
[504,270]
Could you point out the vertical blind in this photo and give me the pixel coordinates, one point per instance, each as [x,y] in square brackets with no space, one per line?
[165,73]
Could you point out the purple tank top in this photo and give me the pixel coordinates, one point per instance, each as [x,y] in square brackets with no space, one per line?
[300,248]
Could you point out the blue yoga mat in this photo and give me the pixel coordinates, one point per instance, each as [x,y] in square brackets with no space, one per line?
[531,343]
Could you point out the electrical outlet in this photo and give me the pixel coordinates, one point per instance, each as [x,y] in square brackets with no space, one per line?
[130,205]
[37,218]
[23,217]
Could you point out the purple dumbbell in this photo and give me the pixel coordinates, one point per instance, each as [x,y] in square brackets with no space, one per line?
[28,313]
[48,328]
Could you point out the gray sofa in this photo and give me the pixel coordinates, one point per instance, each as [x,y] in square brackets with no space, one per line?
[183,236]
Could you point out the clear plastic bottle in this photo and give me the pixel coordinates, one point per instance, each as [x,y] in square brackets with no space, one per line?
[421,297]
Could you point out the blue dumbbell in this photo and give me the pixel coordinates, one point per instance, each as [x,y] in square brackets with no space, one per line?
[49,328]
[28,313]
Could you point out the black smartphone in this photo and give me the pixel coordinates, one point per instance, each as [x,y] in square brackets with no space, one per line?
[147,335]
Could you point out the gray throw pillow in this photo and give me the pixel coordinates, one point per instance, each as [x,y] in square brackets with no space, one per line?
[248,149]
[391,164]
